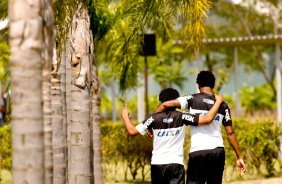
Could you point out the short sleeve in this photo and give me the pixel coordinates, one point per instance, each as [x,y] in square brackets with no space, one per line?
[183,102]
[190,119]
[143,127]
[227,121]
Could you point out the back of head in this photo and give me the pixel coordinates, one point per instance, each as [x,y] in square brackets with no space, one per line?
[205,79]
[168,94]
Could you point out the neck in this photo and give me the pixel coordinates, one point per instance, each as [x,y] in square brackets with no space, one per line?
[206,90]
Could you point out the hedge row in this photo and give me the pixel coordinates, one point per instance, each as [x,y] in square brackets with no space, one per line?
[5,148]
[259,143]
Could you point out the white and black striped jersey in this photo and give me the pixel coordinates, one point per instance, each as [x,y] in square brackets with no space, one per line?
[207,136]
[169,131]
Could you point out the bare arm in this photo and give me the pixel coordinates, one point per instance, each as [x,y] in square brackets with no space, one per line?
[128,124]
[232,139]
[208,117]
[165,105]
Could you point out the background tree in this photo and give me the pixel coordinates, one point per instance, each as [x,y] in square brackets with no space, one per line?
[80,169]
[47,55]
[249,20]
[3,9]
[26,41]
[137,17]
[4,62]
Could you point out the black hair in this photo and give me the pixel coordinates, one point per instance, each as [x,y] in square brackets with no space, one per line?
[168,94]
[205,79]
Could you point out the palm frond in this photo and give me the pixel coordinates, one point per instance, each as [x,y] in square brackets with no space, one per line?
[3,9]
[64,11]
[101,18]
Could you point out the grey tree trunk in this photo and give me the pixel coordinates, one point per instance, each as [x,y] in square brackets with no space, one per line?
[26,41]
[68,100]
[49,40]
[80,165]
[58,126]
[95,117]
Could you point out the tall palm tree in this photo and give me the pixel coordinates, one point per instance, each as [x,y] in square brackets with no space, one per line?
[64,14]
[80,165]
[136,12]
[26,41]
[49,40]
[98,176]
[135,17]
[95,118]
[58,121]
[67,94]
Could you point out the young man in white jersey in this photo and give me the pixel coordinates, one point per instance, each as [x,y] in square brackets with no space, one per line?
[207,155]
[168,129]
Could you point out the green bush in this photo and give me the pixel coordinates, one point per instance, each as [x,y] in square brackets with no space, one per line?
[5,148]
[255,98]
[258,141]
[259,144]
[118,145]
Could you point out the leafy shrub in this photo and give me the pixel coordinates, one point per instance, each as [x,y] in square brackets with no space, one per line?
[118,145]
[5,148]
[255,98]
[259,144]
[258,141]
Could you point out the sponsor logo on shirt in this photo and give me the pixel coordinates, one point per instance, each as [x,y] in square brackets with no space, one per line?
[217,117]
[168,120]
[227,115]
[188,117]
[166,133]
[208,101]
[149,121]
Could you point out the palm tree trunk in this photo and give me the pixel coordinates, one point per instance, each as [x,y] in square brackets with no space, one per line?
[80,170]
[96,100]
[49,40]
[26,41]
[59,132]
[68,100]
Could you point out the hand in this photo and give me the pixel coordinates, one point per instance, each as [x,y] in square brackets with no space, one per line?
[149,133]
[124,112]
[241,167]
[219,98]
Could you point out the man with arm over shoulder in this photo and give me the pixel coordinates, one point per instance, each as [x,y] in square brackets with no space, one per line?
[207,155]
[168,129]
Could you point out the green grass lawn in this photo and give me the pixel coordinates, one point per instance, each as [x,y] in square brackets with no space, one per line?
[115,174]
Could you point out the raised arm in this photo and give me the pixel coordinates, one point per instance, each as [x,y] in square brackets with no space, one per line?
[210,115]
[168,104]
[128,124]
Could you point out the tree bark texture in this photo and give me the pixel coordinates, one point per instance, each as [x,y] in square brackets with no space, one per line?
[58,126]
[49,42]
[68,98]
[80,169]
[96,133]
[26,41]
